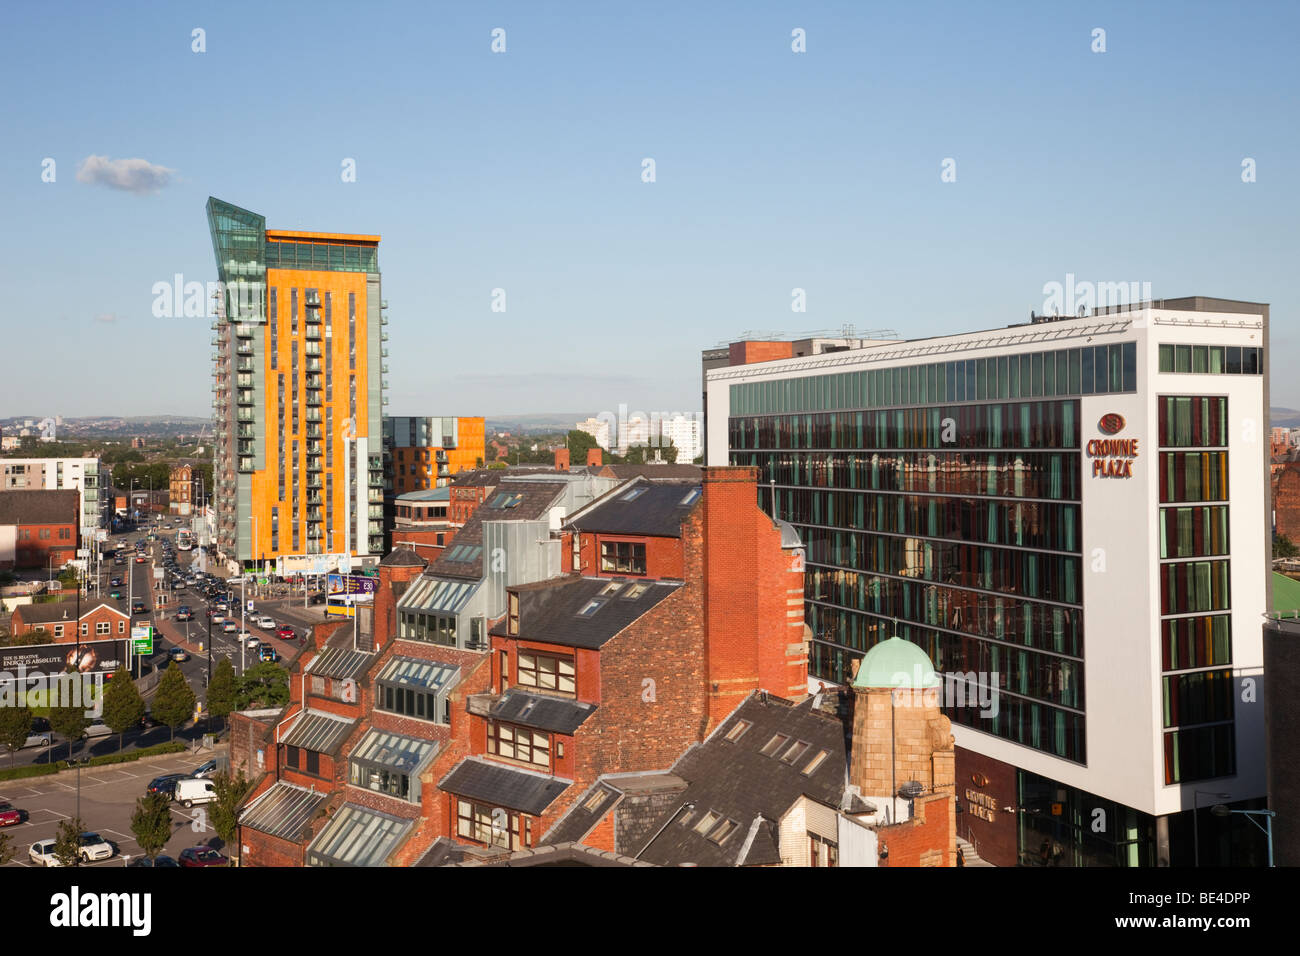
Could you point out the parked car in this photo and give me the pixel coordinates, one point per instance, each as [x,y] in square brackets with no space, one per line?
[165,784]
[265,652]
[97,728]
[42,853]
[190,791]
[202,856]
[206,771]
[94,847]
[265,622]
[157,861]
[38,738]
[10,815]
[178,654]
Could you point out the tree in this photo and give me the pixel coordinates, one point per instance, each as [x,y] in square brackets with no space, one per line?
[222,690]
[15,727]
[1283,548]
[67,716]
[152,823]
[580,443]
[266,685]
[173,701]
[67,842]
[231,791]
[123,705]
[6,849]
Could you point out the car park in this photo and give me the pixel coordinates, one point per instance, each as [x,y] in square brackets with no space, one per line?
[202,856]
[42,853]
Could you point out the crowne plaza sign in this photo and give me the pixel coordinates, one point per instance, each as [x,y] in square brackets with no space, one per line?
[1112,457]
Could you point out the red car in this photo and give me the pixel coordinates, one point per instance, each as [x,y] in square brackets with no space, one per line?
[202,856]
[286,633]
[9,816]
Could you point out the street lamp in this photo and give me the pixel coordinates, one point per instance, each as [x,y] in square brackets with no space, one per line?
[1219,810]
[1196,828]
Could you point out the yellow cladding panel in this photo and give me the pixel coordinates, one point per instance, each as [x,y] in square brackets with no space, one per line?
[265,482]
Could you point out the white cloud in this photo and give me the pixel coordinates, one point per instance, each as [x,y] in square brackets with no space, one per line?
[137,176]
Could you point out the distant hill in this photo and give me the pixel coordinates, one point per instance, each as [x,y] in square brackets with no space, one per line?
[113,426]
[1284,417]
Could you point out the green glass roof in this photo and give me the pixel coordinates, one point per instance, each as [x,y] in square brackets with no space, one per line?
[239,243]
[896,663]
[1286,595]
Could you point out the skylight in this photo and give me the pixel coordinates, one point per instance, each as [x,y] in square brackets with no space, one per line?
[636,590]
[776,743]
[816,762]
[634,494]
[506,500]
[795,752]
[612,588]
[722,831]
[591,607]
[691,497]
[707,822]
[738,731]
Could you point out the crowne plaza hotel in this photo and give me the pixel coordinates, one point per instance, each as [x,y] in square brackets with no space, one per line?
[1073,515]
[298,393]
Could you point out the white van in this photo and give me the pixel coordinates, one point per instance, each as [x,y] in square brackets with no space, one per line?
[191,791]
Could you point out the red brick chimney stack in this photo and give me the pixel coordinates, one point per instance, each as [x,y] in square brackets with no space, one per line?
[594,458]
[561,459]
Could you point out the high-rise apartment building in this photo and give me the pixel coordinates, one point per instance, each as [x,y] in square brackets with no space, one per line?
[424,453]
[299,391]
[1071,518]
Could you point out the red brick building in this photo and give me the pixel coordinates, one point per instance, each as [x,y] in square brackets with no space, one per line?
[1286,500]
[100,620]
[619,664]
[44,527]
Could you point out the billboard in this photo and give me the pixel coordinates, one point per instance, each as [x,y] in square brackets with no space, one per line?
[360,587]
[89,657]
[289,565]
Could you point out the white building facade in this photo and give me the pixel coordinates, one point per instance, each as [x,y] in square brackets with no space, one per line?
[1072,514]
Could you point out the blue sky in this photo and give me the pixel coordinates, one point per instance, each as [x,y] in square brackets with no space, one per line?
[522,171]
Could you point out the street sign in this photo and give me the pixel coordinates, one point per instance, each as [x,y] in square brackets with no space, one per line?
[142,638]
[250,605]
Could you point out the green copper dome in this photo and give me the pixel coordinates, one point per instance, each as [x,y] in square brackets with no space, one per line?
[896,663]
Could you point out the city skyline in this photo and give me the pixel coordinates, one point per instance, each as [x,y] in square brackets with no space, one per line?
[775,171]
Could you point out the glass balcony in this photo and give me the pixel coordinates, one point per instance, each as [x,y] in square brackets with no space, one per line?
[245,348]
[311,333]
[314,381]
[244,331]
[246,464]
[312,365]
[245,416]
[312,415]
[314,482]
[245,396]
[311,349]
[315,398]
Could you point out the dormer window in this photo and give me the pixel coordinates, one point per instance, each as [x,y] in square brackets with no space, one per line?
[622,557]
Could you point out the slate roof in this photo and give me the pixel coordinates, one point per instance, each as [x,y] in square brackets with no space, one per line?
[41,506]
[535,498]
[524,790]
[56,612]
[403,558]
[607,793]
[541,712]
[737,782]
[556,854]
[640,507]
[656,472]
[549,610]
[284,811]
